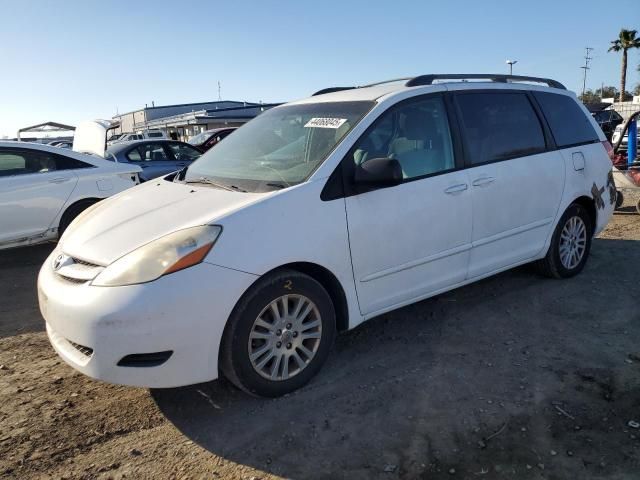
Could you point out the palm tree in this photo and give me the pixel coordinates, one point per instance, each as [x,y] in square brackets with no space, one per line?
[626,39]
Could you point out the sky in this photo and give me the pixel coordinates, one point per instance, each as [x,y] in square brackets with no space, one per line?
[69,61]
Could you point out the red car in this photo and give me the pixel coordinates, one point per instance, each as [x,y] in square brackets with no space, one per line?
[209,138]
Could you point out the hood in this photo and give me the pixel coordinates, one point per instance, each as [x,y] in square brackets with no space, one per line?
[124,222]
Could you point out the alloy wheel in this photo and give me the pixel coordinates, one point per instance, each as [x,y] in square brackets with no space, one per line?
[573,242]
[285,337]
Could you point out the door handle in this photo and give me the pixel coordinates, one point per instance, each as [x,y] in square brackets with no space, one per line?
[483,181]
[461,187]
[58,180]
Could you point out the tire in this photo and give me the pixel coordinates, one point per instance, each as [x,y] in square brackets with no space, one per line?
[71,213]
[552,265]
[281,337]
[619,199]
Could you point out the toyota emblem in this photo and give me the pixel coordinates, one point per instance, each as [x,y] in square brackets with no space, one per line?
[58,261]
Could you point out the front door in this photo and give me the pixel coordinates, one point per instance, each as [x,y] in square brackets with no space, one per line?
[413,239]
[516,182]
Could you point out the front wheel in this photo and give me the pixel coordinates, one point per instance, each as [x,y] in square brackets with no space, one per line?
[279,335]
[570,244]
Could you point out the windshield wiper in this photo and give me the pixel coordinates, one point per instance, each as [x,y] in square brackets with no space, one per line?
[208,181]
[276,185]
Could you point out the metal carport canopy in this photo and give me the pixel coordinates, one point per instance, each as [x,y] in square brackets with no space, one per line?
[47,127]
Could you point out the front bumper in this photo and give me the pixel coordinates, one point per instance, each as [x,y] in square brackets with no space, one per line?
[93,328]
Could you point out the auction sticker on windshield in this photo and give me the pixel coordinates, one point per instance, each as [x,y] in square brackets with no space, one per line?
[325,122]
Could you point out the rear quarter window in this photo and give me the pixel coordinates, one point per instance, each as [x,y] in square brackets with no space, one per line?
[66,163]
[569,124]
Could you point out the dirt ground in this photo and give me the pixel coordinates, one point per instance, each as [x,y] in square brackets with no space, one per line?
[514,377]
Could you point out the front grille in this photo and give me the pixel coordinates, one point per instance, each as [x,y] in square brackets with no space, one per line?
[83,262]
[86,351]
[75,270]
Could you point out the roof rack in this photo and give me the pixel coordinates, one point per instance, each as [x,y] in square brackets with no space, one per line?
[429,79]
[331,90]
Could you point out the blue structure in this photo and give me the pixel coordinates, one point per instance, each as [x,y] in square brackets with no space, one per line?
[632,144]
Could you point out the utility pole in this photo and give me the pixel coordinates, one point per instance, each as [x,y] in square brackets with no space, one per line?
[587,59]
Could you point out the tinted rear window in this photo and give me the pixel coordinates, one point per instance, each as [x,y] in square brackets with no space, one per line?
[500,126]
[569,125]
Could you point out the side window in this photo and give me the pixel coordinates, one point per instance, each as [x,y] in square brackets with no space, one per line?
[415,133]
[134,155]
[12,163]
[153,152]
[498,126]
[184,152]
[569,124]
[21,162]
[67,163]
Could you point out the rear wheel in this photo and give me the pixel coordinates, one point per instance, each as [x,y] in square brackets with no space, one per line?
[279,335]
[570,244]
[71,213]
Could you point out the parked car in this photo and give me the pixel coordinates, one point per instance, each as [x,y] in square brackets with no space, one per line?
[155,157]
[43,188]
[607,119]
[62,144]
[625,139]
[209,138]
[128,137]
[318,215]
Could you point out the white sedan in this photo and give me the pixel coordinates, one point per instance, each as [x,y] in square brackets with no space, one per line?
[43,188]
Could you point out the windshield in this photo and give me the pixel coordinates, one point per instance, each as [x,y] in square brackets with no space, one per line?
[201,138]
[279,148]
[115,137]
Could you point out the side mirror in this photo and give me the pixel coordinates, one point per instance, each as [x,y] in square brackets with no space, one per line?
[385,172]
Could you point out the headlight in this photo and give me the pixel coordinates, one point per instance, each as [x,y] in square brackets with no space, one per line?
[168,254]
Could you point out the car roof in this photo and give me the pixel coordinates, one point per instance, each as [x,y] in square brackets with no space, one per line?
[116,147]
[84,157]
[433,82]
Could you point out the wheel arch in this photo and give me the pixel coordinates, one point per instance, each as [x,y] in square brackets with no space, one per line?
[329,282]
[88,201]
[590,205]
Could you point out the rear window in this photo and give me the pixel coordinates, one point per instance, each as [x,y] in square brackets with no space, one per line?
[154,134]
[499,126]
[569,124]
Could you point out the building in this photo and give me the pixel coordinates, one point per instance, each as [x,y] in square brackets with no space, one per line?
[188,119]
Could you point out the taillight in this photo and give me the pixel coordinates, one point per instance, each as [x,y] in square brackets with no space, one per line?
[609,149]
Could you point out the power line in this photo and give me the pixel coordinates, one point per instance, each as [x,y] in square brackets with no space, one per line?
[587,59]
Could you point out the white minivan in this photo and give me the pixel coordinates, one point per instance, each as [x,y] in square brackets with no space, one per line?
[318,215]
